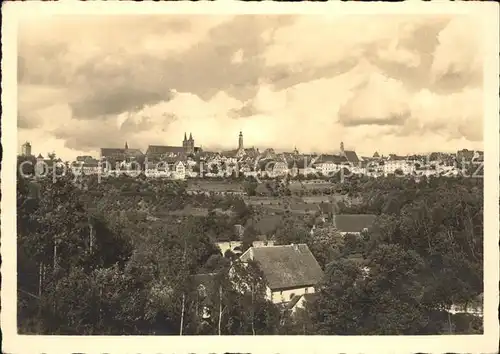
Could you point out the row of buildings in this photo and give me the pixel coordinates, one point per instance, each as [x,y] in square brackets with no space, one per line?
[188,160]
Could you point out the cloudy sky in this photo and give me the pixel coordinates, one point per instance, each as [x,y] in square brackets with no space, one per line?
[393,84]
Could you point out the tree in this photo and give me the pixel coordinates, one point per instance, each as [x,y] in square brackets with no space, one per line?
[338,308]
[214,169]
[250,186]
[325,244]
[249,236]
[382,300]
[292,230]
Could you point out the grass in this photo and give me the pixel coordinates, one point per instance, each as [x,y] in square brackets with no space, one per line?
[214,186]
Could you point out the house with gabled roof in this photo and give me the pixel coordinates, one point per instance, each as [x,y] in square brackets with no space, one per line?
[288,270]
[350,155]
[159,151]
[329,164]
[179,170]
[119,155]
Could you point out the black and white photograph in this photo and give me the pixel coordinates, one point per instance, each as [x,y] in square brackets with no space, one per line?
[225,172]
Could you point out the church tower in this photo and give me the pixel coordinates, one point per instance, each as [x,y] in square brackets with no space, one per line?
[26,149]
[190,144]
[240,141]
[126,146]
[342,147]
[184,142]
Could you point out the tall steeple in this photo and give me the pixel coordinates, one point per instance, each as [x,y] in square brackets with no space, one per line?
[342,146]
[190,137]
[240,141]
[126,146]
[185,136]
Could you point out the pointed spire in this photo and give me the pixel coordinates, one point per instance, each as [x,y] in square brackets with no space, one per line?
[126,146]
[190,136]
[185,136]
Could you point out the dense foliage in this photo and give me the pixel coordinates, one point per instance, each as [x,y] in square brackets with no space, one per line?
[424,254]
[109,257]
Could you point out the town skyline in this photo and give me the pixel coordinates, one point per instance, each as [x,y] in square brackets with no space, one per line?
[401,86]
[223,149]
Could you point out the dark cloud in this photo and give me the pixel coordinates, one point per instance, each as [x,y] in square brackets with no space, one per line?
[107,82]
[119,82]
[24,122]
[348,120]
[90,136]
[247,110]
[454,80]
[115,101]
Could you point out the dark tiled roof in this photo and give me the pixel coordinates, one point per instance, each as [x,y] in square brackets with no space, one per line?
[289,266]
[351,156]
[298,206]
[229,153]
[435,156]
[309,298]
[293,301]
[253,152]
[83,158]
[266,225]
[337,159]
[393,157]
[465,154]
[354,222]
[327,208]
[112,152]
[265,164]
[133,152]
[305,162]
[163,149]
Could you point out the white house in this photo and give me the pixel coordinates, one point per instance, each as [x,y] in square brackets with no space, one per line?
[234,246]
[90,167]
[280,169]
[330,164]
[289,270]
[395,163]
[179,170]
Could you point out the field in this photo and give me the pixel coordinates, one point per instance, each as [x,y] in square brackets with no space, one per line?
[213,186]
[310,185]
